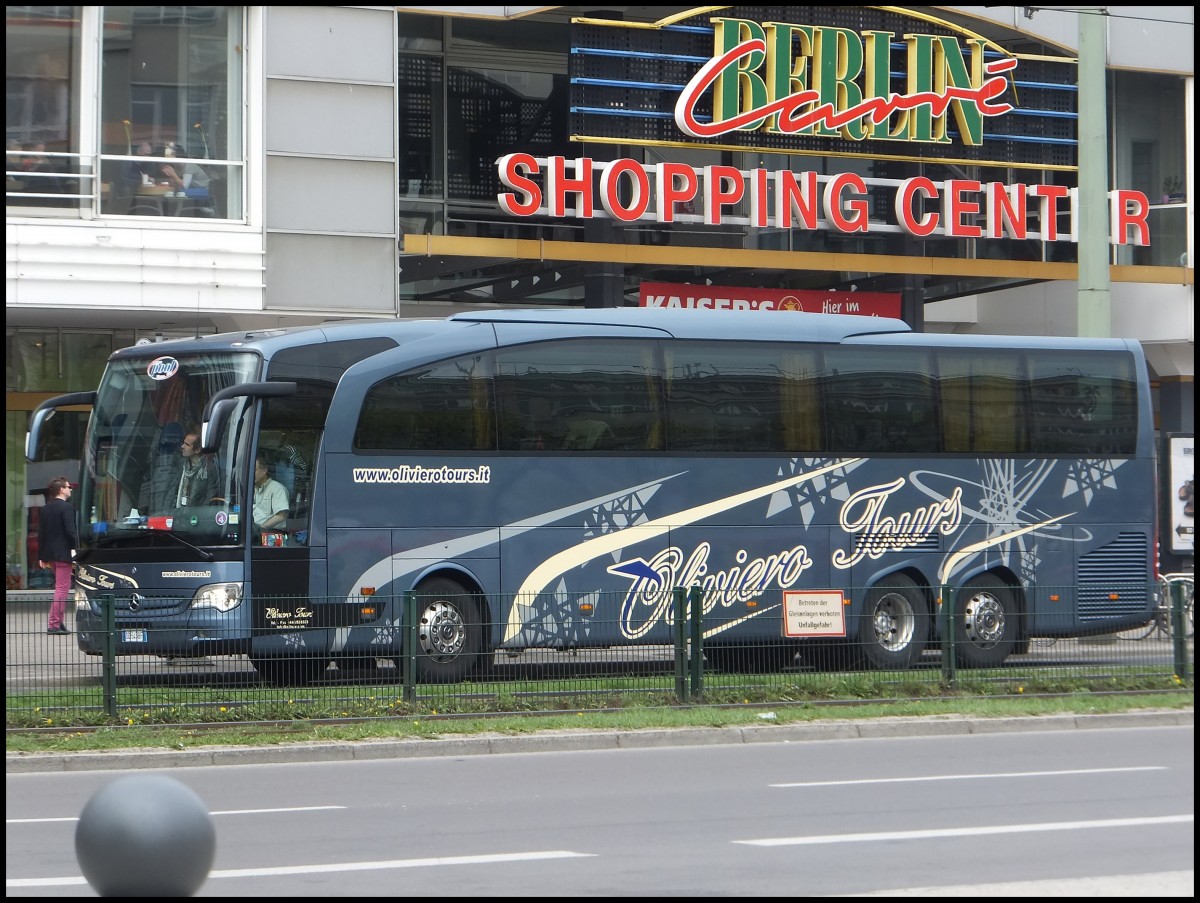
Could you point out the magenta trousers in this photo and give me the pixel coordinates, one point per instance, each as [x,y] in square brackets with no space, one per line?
[62,589]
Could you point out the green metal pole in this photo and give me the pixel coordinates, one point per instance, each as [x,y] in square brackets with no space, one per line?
[108,668]
[1178,638]
[408,652]
[696,619]
[681,689]
[1094,304]
[946,608]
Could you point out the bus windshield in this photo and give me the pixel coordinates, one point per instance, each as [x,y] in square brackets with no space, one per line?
[143,472]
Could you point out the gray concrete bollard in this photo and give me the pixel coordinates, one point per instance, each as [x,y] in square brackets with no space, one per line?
[145,835]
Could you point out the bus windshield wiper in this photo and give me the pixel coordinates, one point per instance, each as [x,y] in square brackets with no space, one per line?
[106,540]
[203,553]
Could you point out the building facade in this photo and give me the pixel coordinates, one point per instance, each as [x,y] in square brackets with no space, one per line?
[187,170]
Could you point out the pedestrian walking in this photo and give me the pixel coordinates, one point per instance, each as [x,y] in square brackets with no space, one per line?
[58,538]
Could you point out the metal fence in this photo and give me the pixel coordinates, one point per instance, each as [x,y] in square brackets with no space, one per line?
[570,656]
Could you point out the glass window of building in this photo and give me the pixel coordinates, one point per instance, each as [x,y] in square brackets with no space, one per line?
[41,107]
[170,111]
[169,137]
[1148,121]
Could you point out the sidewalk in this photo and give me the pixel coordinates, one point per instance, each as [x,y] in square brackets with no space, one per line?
[34,658]
[28,595]
[575,740]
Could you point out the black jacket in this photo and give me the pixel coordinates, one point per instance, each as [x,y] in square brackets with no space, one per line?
[58,535]
[160,492]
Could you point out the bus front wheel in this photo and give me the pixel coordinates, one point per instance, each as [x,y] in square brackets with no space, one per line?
[985,622]
[449,631]
[896,625]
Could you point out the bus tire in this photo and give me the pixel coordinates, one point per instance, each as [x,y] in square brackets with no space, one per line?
[449,631]
[895,626]
[289,671]
[985,622]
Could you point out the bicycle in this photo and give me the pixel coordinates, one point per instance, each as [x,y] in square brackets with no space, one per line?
[1160,624]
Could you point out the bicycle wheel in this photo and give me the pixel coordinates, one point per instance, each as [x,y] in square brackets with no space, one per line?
[1143,630]
[1189,616]
[1176,583]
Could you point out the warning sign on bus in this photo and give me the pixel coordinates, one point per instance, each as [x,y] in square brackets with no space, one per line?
[814,613]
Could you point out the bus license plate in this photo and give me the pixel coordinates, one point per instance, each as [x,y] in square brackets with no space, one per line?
[133,636]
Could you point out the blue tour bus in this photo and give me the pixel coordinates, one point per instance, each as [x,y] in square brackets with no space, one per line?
[546,478]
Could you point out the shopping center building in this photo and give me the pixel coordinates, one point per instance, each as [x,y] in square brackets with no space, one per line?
[174,171]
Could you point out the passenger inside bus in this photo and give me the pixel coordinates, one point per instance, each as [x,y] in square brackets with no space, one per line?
[271,504]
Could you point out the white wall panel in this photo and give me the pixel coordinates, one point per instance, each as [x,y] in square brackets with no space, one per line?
[331,196]
[340,276]
[331,43]
[330,118]
[54,264]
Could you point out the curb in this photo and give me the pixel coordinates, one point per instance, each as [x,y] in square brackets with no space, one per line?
[577,740]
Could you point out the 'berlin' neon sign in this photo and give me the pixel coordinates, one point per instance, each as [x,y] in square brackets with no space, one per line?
[816,80]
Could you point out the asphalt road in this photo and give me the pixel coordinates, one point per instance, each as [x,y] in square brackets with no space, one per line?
[935,807]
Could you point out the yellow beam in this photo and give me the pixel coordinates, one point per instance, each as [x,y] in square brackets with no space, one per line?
[752,258]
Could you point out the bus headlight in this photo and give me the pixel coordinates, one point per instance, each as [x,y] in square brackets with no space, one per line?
[81,600]
[221,596]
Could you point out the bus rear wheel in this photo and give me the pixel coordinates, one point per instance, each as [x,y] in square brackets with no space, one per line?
[449,631]
[896,624]
[985,622]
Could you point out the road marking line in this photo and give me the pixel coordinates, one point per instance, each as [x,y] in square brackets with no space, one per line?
[966,777]
[485,859]
[966,832]
[267,811]
[400,864]
[34,821]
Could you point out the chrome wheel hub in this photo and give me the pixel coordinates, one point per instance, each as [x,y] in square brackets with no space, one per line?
[442,632]
[984,620]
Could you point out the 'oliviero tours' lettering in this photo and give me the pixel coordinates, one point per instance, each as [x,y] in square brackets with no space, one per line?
[862,515]
[301,617]
[649,598]
[95,580]
[414,473]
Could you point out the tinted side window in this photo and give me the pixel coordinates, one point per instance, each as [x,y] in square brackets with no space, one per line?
[445,406]
[578,395]
[1083,404]
[984,399]
[881,400]
[741,397]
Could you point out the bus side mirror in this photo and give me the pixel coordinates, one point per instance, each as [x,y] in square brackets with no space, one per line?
[223,402]
[213,428]
[44,411]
